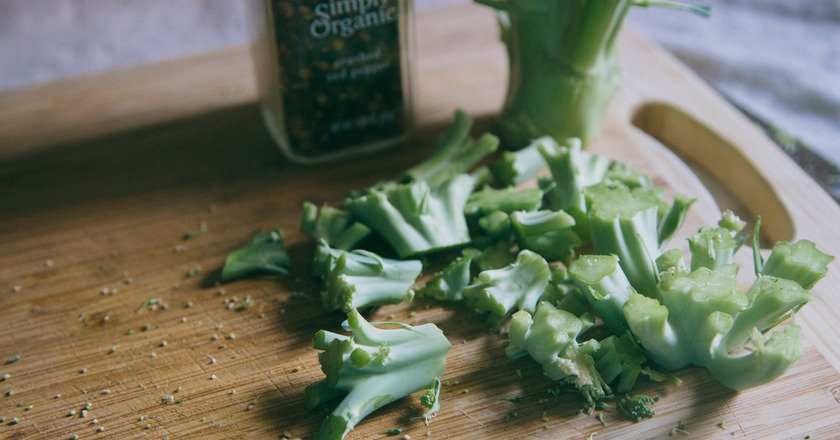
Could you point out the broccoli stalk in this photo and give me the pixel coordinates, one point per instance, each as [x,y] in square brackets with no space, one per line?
[712,247]
[374,367]
[360,279]
[548,233]
[265,253]
[619,362]
[517,286]
[449,283]
[414,218]
[549,337]
[572,170]
[563,65]
[562,293]
[507,200]
[633,225]
[515,167]
[333,225]
[801,262]
[454,154]
[603,283]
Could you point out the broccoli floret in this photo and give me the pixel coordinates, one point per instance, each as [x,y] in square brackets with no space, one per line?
[265,253]
[359,279]
[801,262]
[704,320]
[549,337]
[605,286]
[619,361]
[715,246]
[634,225]
[515,167]
[548,233]
[374,367]
[416,219]
[506,200]
[572,170]
[636,407]
[562,293]
[454,154]
[333,225]
[449,283]
[518,286]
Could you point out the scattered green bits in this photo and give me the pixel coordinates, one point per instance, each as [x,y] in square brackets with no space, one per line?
[13,359]
[187,235]
[393,431]
[194,271]
[10,393]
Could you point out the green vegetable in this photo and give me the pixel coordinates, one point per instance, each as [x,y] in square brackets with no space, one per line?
[515,167]
[517,286]
[416,219]
[496,225]
[495,256]
[633,224]
[374,367]
[605,286]
[333,225]
[636,407]
[563,64]
[562,293]
[801,262]
[549,337]
[265,253]
[449,283]
[548,233]
[572,170]
[455,153]
[712,247]
[359,279]
[506,200]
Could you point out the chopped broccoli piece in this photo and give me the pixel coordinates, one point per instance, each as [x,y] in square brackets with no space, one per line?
[636,406]
[515,167]
[449,283]
[374,367]
[495,256]
[454,154]
[711,247]
[572,170]
[517,286]
[620,173]
[562,293]
[506,200]
[416,219]
[627,223]
[548,233]
[496,225]
[359,279]
[265,253]
[801,262]
[333,225]
[549,337]
[605,286]
[619,362]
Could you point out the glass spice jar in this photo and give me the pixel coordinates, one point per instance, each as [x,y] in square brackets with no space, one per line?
[334,76]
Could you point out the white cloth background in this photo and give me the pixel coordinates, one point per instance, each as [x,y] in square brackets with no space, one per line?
[780,59]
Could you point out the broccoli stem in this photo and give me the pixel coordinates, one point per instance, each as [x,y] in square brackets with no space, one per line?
[515,167]
[332,225]
[801,262]
[518,286]
[605,286]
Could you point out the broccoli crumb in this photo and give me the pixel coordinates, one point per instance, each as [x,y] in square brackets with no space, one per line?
[513,399]
[510,415]
[600,417]
[393,431]
[13,359]
[680,429]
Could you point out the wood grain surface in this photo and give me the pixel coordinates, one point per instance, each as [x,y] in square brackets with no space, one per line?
[95,199]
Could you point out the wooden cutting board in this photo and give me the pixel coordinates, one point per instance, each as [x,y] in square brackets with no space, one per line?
[103,175]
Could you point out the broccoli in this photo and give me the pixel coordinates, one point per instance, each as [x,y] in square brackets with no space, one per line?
[332,225]
[605,286]
[449,283]
[517,286]
[563,64]
[801,262]
[562,293]
[515,167]
[548,233]
[454,154]
[495,256]
[549,337]
[265,253]
[633,224]
[572,170]
[416,219]
[636,407]
[496,225]
[374,367]
[715,246]
[619,361]
[507,200]
[359,279]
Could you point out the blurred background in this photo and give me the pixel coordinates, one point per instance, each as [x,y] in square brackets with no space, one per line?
[778,59]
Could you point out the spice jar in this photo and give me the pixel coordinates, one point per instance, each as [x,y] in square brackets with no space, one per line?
[334,76]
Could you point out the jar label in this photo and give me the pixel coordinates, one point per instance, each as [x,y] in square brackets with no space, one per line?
[339,72]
